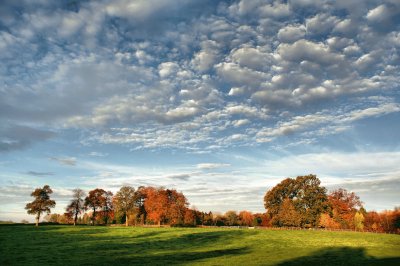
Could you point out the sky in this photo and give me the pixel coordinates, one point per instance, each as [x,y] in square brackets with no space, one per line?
[220,100]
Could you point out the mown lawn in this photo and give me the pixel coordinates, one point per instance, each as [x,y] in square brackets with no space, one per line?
[85,245]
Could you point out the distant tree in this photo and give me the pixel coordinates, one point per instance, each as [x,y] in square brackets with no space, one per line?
[23,221]
[77,204]
[359,221]
[95,200]
[52,218]
[42,202]
[108,208]
[246,218]
[231,218]
[207,218]
[306,194]
[126,201]
[164,205]
[344,206]
[326,221]
[190,217]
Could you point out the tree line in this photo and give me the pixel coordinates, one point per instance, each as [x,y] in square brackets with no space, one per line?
[294,202]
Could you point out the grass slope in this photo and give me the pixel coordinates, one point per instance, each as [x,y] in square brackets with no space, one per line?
[85,245]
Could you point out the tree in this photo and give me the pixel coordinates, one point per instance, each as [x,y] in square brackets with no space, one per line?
[125,201]
[246,218]
[309,199]
[77,204]
[344,206]
[95,200]
[108,206]
[287,215]
[231,218]
[164,205]
[326,221]
[42,202]
[359,221]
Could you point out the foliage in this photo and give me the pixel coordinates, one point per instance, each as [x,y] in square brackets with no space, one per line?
[344,206]
[126,201]
[359,221]
[42,202]
[95,200]
[165,206]
[77,204]
[309,200]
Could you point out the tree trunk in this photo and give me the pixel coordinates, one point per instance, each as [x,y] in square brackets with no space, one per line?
[159,223]
[37,219]
[126,220]
[76,218]
[93,216]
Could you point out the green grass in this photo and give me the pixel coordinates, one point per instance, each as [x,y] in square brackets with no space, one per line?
[85,245]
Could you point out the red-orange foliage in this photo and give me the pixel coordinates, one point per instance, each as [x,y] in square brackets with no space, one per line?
[344,205]
[246,218]
[164,205]
[327,221]
[190,218]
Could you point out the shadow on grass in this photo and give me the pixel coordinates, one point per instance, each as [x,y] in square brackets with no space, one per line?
[341,256]
[85,246]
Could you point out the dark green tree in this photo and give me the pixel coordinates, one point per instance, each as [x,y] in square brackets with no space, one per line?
[42,202]
[306,194]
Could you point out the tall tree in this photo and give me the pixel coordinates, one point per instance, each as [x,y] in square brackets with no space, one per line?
[108,207]
[125,201]
[42,202]
[344,206]
[77,204]
[95,200]
[305,193]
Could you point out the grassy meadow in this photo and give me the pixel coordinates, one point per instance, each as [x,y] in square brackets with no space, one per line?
[85,245]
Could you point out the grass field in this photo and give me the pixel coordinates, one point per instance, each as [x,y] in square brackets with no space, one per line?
[85,245]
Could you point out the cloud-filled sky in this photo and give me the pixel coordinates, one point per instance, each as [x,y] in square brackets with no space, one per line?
[218,99]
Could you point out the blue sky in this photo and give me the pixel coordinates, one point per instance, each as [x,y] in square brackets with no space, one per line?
[218,99]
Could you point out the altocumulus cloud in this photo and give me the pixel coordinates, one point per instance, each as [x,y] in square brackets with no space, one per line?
[198,81]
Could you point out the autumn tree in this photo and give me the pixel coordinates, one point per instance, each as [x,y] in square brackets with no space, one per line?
[359,221]
[231,218]
[344,206]
[326,221]
[246,218]
[164,205]
[125,201]
[77,204]
[95,200]
[190,217]
[306,194]
[42,202]
[107,210]
[287,215]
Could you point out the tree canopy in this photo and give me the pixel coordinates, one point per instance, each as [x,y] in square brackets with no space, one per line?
[77,204]
[42,202]
[305,194]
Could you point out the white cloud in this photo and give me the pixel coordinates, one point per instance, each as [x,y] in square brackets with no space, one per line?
[212,165]
[291,33]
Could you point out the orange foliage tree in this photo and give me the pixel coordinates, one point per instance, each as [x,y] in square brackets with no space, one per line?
[344,206]
[165,205]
